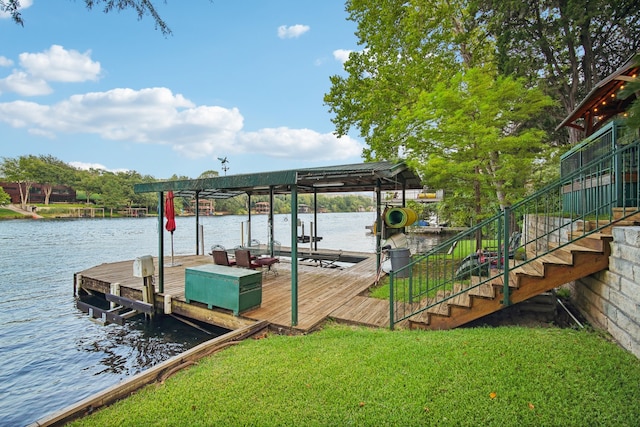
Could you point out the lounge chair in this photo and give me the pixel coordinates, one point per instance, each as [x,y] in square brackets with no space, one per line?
[244,259]
[221,257]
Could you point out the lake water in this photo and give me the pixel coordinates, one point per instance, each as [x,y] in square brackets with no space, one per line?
[52,354]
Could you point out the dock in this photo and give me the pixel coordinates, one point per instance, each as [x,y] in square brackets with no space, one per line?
[326,291]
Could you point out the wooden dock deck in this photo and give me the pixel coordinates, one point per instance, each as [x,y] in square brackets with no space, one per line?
[323,293]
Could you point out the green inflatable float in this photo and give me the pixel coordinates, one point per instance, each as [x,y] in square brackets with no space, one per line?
[400,217]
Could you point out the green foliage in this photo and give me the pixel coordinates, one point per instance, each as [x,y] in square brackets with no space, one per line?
[633,89]
[565,48]
[469,133]
[5,199]
[355,376]
[327,203]
[400,90]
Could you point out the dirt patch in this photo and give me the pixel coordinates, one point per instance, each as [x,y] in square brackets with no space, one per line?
[547,315]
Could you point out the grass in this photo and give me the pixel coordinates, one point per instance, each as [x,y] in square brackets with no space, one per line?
[9,214]
[355,376]
[440,276]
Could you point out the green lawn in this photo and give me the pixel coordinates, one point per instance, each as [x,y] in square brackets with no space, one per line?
[9,214]
[341,375]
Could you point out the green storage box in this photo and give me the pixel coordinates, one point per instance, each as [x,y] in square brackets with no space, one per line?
[232,288]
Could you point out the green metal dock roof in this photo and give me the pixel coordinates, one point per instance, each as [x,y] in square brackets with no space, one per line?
[342,178]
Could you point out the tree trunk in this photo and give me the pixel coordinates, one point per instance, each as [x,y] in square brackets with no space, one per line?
[478,200]
[24,194]
[47,188]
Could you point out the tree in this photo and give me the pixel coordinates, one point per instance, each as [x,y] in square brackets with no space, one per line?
[89,181]
[424,88]
[407,46]
[50,172]
[471,129]
[565,46]
[142,8]
[209,174]
[23,171]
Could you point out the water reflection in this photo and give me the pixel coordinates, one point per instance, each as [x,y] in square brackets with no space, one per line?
[140,344]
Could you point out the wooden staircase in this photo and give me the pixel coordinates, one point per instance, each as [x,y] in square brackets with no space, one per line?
[585,255]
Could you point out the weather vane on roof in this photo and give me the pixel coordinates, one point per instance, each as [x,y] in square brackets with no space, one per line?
[224,162]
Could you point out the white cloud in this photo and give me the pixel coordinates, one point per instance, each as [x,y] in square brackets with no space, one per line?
[53,65]
[293,31]
[24,84]
[300,144]
[157,116]
[96,166]
[86,166]
[61,65]
[341,55]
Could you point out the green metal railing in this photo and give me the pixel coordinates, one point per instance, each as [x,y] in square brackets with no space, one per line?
[544,220]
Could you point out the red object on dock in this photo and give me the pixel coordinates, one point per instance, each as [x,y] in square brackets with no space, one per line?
[170,212]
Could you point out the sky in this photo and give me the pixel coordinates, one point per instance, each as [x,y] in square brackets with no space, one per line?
[237,79]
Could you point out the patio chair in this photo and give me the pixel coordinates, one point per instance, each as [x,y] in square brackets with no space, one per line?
[243,259]
[221,257]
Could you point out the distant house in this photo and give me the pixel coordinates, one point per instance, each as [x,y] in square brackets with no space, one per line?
[262,207]
[59,193]
[205,207]
[302,208]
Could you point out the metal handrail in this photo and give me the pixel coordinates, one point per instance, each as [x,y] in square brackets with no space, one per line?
[551,218]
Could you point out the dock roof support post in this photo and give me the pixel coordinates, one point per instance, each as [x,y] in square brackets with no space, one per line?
[378,227]
[315,220]
[160,242]
[249,219]
[294,255]
[271,238]
[198,223]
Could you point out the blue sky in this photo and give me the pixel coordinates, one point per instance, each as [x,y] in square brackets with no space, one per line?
[239,79]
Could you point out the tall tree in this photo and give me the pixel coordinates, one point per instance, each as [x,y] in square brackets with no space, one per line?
[566,46]
[472,129]
[407,47]
[423,87]
[51,172]
[89,181]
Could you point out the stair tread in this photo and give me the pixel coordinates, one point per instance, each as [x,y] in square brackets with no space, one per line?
[483,291]
[598,235]
[550,258]
[575,247]
[532,268]
[499,280]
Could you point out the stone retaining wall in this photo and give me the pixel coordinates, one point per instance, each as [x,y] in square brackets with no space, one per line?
[610,299]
